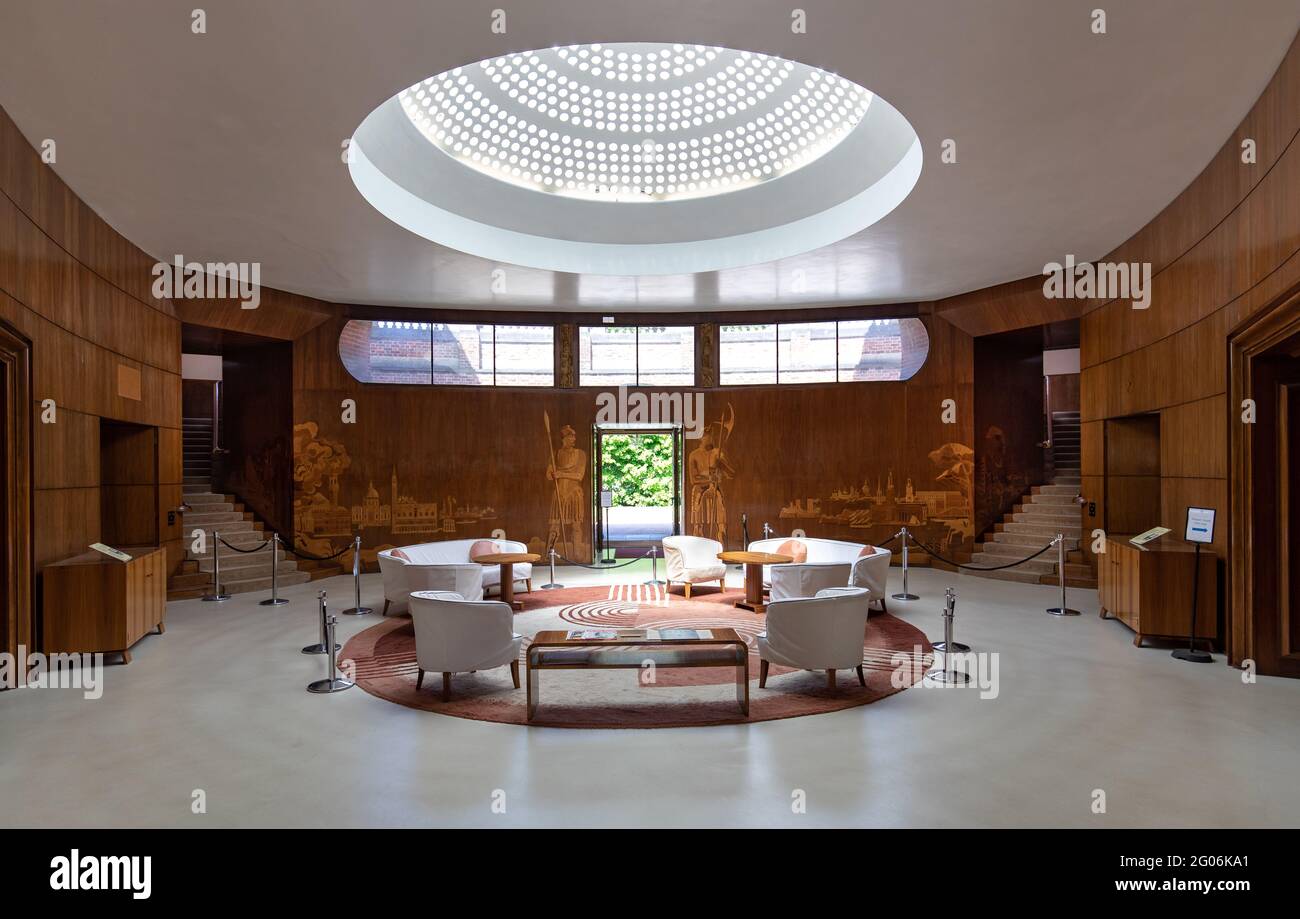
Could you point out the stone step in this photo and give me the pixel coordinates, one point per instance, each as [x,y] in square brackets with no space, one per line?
[1036,567]
[237,532]
[1039,566]
[248,539]
[197,480]
[1039,529]
[1007,552]
[1026,513]
[1054,490]
[214,518]
[1042,504]
[241,561]
[1056,499]
[1030,540]
[238,585]
[207,498]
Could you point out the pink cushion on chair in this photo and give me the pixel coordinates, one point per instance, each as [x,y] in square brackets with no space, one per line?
[483,547]
[867,550]
[398,553]
[795,549]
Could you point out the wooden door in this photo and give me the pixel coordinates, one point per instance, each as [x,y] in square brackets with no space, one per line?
[16,561]
[1275,513]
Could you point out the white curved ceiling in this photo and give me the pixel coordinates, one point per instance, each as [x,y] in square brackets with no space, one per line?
[227,146]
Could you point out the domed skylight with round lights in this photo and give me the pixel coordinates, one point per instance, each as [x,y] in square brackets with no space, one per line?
[635,122]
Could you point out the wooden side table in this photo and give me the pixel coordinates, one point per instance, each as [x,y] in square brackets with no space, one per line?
[754,562]
[507,561]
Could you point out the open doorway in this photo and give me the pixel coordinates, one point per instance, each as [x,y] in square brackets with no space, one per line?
[638,487]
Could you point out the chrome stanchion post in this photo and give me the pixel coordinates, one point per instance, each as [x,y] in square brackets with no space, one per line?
[323,646]
[1061,610]
[950,600]
[552,585]
[274,599]
[906,594]
[949,673]
[357,609]
[216,570]
[654,568]
[767,530]
[334,682]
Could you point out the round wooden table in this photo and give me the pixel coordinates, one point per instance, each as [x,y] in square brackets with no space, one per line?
[507,561]
[754,562]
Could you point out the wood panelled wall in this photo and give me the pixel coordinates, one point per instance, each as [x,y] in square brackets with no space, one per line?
[1222,251]
[836,460]
[102,347]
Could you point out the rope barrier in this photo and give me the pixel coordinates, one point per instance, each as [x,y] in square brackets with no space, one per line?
[980,567]
[315,558]
[639,558]
[243,551]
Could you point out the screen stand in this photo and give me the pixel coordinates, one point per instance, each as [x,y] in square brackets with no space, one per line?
[1190,653]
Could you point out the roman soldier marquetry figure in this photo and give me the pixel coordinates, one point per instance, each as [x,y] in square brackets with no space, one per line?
[706,469]
[567,470]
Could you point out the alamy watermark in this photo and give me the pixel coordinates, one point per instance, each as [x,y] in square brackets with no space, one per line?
[53,671]
[1098,281]
[983,668]
[179,279]
[684,408]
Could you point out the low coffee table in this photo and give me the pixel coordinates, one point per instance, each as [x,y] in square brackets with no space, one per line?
[754,562]
[507,561]
[629,649]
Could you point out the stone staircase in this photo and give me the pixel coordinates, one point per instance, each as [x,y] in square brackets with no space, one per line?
[214,512]
[240,573]
[1045,511]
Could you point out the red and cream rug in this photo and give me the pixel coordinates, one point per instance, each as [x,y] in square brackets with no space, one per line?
[895,655]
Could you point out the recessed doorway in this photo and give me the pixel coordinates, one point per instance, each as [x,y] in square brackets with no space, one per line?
[638,486]
[16,561]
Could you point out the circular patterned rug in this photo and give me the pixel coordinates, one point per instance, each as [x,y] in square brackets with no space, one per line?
[895,656]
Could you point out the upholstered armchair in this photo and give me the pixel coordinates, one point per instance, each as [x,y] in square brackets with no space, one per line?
[818,564]
[693,560]
[455,635]
[872,573]
[401,576]
[825,632]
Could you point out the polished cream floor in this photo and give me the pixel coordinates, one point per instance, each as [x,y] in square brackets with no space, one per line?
[218,704]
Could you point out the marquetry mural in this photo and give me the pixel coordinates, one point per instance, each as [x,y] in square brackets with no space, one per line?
[331,507]
[936,509]
[423,463]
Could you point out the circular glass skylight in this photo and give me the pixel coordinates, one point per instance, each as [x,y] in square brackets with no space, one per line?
[637,122]
[635,158]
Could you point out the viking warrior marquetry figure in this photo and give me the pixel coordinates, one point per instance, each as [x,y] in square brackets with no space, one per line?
[566,471]
[707,468]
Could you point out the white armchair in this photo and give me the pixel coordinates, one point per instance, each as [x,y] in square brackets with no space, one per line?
[825,632]
[402,576]
[822,563]
[455,635]
[872,573]
[693,560]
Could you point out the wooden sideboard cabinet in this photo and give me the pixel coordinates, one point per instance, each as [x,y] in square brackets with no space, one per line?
[95,603]
[1150,590]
